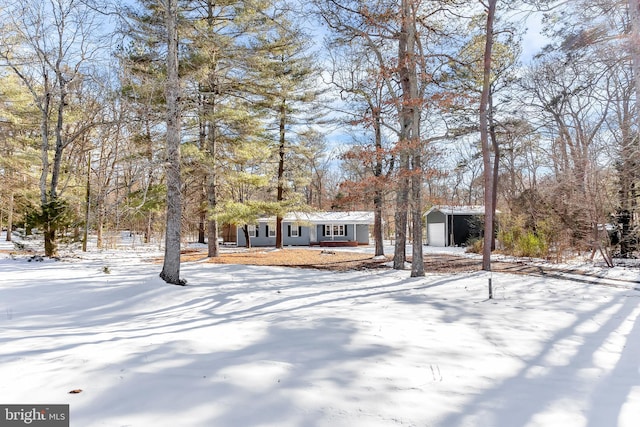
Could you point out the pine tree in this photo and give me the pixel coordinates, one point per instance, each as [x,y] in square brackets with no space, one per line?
[154,53]
[18,150]
[286,84]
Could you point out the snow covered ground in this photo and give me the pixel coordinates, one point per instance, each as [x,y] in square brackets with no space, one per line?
[255,346]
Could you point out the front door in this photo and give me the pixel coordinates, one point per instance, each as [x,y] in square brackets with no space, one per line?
[313,233]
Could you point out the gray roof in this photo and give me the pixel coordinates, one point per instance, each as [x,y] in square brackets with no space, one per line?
[351,217]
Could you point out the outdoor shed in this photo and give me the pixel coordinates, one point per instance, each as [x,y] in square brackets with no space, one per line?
[454,225]
[306,229]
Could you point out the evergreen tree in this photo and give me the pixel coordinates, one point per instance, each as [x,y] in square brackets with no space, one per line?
[154,51]
[286,85]
[18,151]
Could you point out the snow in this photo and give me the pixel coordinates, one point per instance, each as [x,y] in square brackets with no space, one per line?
[256,346]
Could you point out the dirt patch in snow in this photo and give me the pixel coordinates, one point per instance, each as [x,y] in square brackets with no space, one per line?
[342,260]
[303,258]
[345,260]
[433,263]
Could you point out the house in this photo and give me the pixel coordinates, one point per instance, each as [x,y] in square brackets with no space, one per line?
[305,229]
[454,225]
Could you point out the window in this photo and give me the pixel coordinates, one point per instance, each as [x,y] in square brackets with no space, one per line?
[334,230]
[271,230]
[252,230]
[294,232]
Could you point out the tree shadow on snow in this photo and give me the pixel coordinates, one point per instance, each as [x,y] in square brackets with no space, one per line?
[265,382]
[538,386]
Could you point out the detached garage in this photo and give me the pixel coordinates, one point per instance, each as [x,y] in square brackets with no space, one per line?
[454,225]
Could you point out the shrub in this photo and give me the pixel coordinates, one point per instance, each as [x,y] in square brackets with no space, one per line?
[475,246]
[531,245]
[516,239]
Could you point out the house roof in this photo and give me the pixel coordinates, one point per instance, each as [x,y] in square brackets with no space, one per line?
[458,210]
[352,217]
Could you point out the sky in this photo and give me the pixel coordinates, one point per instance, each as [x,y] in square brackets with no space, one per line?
[533,40]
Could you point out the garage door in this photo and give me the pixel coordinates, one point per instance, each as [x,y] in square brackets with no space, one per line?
[436,234]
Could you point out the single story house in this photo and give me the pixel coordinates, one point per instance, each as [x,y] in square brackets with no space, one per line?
[454,225]
[305,229]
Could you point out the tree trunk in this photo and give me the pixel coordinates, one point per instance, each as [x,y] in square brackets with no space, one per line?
[378,236]
[400,216]
[628,168]
[417,259]
[202,217]
[60,142]
[247,238]
[87,205]
[49,238]
[378,196]
[496,169]
[148,229]
[202,220]
[402,193]
[209,135]
[171,268]
[100,223]
[411,161]
[280,191]
[484,139]
[10,216]
[634,18]
[213,247]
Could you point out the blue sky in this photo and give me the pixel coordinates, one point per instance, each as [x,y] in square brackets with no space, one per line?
[533,40]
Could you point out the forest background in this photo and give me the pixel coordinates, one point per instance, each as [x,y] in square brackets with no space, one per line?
[182,119]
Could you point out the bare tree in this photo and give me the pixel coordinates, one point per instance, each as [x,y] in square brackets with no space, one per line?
[396,33]
[634,44]
[364,92]
[47,44]
[485,107]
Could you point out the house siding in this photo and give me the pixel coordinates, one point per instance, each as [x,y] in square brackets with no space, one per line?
[436,217]
[354,232]
[362,234]
[301,240]
[322,238]
[311,229]
[263,239]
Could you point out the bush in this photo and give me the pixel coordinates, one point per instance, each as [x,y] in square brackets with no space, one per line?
[475,246]
[56,212]
[517,240]
[531,245]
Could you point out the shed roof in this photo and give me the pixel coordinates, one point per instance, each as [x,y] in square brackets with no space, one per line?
[457,210]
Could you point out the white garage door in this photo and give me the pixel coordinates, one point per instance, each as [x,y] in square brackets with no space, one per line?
[436,234]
